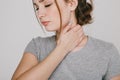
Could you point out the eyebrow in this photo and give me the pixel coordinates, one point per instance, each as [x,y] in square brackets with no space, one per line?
[38,1]
[41,0]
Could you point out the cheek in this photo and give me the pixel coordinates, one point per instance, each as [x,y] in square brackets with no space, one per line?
[65,13]
[52,11]
[54,16]
[65,17]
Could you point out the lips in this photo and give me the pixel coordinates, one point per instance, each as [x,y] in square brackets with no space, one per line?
[45,23]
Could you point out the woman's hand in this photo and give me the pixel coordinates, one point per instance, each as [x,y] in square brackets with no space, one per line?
[70,37]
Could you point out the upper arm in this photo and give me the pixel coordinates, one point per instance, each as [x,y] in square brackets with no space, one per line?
[113,70]
[116,78]
[27,62]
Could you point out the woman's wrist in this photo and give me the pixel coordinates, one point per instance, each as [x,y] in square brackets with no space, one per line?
[62,49]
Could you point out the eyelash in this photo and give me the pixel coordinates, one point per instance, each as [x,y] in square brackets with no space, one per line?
[45,6]
[48,5]
[37,9]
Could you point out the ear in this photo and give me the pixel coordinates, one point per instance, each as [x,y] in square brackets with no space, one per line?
[72,4]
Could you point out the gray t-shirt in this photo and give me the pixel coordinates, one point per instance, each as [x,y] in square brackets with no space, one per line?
[97,60]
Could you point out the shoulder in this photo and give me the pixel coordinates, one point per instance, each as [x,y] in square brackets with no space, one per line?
[40,39]
[101,44]
[103,48]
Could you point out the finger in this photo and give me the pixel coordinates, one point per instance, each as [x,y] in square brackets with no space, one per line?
[76,28]
[80,32]
[67,28]
[81,39]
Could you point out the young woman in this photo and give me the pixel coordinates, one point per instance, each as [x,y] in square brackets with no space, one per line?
[70,54]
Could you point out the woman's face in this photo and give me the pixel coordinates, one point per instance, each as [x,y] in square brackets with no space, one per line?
[47,12]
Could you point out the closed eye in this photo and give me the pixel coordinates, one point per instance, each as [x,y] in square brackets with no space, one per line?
[37,9]
[48,5]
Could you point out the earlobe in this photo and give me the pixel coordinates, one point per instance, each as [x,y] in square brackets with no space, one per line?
[73,4]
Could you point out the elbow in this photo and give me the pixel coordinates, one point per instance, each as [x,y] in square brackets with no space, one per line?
[16,78]
[13,78]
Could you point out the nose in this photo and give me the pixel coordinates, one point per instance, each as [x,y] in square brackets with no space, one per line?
[41,12]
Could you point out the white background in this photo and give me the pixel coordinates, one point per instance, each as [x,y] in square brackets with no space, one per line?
[18,26]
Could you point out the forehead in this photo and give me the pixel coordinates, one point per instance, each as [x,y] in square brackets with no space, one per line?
[38,0]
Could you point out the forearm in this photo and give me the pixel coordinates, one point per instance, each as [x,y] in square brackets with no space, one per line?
[44,69]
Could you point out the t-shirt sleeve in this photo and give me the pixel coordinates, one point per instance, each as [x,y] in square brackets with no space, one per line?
[114,64]
[31,48]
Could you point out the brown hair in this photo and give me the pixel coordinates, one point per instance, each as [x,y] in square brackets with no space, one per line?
[82,12]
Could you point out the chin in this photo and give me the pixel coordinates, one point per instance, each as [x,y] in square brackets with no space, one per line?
[50,29]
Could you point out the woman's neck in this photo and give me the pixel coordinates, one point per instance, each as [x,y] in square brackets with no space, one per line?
[79,45]
[73,21]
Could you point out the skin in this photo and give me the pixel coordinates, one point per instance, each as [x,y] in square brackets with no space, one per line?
[71,38]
